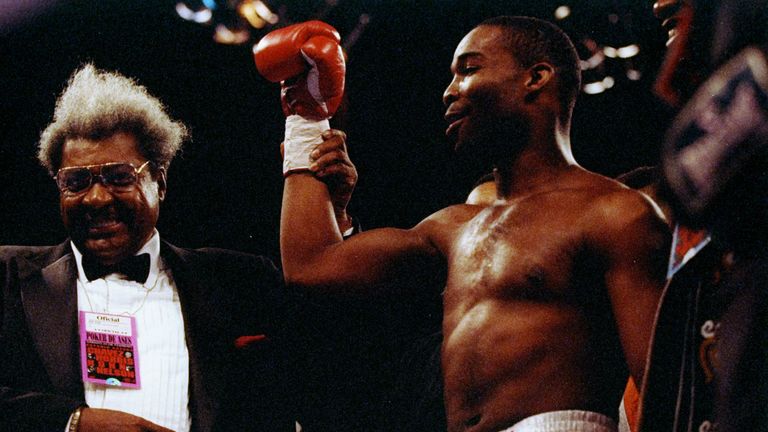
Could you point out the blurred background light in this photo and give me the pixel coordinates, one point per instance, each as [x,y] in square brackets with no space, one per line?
[256,13]
[604,53]
[230,36]
[562,12]
[598,87]
[628,51]
[200,15]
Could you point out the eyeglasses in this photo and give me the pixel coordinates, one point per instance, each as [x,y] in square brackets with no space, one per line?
[117,176]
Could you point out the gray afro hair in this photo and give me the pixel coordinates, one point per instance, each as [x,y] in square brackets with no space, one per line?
[97,104]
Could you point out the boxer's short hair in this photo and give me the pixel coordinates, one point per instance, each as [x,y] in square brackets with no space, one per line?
[531,40]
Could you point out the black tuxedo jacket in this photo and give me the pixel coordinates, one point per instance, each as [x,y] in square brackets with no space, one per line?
[236,382]
[740,376]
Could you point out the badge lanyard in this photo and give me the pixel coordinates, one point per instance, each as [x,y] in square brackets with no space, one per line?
[109,345]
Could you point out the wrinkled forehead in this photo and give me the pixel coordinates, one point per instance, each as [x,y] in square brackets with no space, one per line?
[119,147]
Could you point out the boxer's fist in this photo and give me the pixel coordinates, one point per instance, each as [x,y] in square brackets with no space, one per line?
[307,59]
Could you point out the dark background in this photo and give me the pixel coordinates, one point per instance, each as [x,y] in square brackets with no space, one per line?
[225,189]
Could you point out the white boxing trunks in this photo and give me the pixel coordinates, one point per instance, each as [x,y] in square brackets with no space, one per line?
[565,421]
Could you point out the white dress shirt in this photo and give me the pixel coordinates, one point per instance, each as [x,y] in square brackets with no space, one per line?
[163,356]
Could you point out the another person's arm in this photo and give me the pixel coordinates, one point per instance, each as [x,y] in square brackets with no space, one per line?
[105,420]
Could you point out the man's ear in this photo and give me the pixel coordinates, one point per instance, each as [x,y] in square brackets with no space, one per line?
[539,75]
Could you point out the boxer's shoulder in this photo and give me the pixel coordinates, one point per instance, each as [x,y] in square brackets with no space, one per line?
[593,194]
[627,219]
[442,227]
[451,216]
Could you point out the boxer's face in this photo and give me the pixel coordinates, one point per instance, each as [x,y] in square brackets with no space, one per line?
[487,89]
[110,223]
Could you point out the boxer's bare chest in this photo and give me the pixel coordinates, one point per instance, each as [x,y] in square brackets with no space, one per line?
[517,250]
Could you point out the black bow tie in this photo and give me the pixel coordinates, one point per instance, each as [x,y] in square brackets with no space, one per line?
[134,268]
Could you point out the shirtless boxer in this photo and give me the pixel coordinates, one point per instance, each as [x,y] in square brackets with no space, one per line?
[484,192]
[550,292]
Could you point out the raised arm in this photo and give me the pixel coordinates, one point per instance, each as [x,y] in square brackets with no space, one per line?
[307,60]
[313,253]
[635,240]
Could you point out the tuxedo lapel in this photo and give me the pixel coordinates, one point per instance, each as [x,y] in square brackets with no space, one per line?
[231,387]
[49,295]
[206,381]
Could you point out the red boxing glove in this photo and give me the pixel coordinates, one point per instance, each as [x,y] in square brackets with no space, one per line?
[307,59]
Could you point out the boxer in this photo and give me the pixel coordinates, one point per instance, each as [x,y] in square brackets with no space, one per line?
[549,293]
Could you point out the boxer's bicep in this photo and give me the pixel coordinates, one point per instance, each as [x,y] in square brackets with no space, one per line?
[634,297]
[637,249]
[315,257]
[366,262]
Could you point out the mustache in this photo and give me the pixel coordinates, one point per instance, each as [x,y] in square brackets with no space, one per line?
[101,215]
[82,219]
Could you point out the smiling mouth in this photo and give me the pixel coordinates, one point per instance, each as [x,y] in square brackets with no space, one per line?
[102,227]
[669,12]
[454,122]
[453,127]
[670,25]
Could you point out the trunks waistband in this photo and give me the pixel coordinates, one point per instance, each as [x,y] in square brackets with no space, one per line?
[565,421]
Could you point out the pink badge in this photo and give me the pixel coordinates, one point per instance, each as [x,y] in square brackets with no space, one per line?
[109,352]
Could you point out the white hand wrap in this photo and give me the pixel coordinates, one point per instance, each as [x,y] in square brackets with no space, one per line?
[301,137]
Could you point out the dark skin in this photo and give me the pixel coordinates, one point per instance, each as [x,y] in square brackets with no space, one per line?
[680,72]
[112,225]
[482,194]
[106,224]
[551,290]
[106,420]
